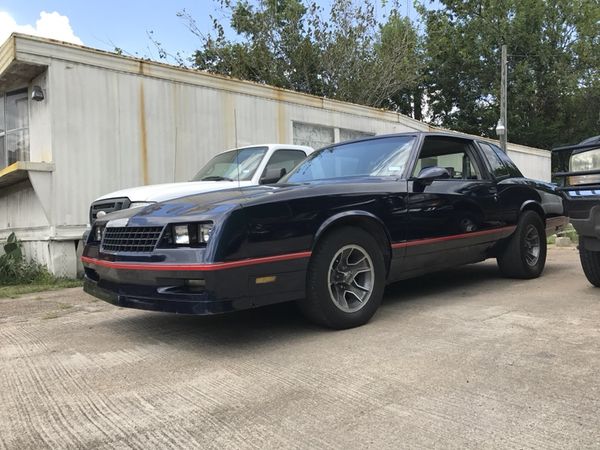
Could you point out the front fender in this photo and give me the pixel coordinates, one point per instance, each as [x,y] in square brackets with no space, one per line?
[347,216]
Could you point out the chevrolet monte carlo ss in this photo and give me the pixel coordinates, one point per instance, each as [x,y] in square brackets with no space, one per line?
[331,234]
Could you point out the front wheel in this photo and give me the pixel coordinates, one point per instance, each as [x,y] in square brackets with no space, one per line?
[524,255]
[345,280]
[590,261]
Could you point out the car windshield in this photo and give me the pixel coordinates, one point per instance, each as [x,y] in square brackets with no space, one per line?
[233,165]
[374,157]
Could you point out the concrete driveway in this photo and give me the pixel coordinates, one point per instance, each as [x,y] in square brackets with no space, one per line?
[463,358]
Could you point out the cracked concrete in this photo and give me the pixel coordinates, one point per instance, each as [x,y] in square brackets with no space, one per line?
[460,359]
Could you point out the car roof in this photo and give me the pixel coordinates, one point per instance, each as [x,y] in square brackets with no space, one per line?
[407,133]
[305,148]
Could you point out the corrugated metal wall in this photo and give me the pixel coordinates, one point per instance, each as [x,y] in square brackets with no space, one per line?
[112,130]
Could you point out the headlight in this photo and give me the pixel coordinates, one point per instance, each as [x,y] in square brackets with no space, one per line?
[580,162]
[140,204]
[187,235]
[97,233]
[204,231]
[589,160]
[182,234]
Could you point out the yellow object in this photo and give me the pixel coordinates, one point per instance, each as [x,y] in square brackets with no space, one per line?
[265,280]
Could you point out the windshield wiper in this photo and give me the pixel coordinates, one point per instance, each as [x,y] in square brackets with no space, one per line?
[216,178]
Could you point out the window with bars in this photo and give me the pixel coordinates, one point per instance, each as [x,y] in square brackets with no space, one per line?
[14,127]
[317,136]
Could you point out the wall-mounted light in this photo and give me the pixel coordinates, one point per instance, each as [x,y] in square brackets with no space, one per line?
[500,128]
[37,93]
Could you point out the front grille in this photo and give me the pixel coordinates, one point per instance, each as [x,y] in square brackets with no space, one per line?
[109,205]
[130,239]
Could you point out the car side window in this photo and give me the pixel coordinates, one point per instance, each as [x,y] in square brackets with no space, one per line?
[284,159]
[513,170]
[496,166]
[451,154]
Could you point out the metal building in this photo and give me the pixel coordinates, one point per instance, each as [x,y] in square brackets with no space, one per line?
[76,123]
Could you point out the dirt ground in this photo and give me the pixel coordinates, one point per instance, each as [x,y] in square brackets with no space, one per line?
[462,358]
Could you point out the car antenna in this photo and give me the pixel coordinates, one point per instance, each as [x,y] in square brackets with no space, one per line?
[237,158]
[237,147]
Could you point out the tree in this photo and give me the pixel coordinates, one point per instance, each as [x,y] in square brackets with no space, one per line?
[554,67]
[345,54]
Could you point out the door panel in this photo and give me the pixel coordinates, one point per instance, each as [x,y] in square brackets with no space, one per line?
[453,220]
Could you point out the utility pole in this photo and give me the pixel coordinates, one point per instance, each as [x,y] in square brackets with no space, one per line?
[503,94]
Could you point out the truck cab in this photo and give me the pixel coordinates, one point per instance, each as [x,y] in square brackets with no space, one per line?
[581,188]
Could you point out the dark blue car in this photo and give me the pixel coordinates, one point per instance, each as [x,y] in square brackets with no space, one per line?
[331,234]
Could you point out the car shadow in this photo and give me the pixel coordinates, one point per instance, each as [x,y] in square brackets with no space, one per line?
[284,321]
[237,330]
[447,281]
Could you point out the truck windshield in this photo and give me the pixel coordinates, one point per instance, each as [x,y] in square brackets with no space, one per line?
[377,157]
[238,164]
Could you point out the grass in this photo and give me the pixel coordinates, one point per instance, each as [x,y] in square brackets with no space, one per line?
[13,291]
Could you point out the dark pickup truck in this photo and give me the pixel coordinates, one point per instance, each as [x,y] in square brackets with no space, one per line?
[580,183]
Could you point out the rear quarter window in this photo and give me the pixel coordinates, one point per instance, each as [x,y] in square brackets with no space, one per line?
[498,162]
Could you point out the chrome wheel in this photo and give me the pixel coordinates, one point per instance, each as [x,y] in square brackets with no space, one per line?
[531,245]
[350,278]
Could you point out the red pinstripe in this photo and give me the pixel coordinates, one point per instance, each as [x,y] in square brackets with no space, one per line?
[453,237]
[201,267]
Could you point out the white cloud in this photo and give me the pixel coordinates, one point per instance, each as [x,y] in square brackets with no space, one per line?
[50,25]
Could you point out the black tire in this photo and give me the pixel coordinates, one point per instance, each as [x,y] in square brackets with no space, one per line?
[514,259]
[320,304]
[590,261]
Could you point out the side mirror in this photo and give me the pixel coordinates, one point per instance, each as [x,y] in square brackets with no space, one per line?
[273,175]
[428,174]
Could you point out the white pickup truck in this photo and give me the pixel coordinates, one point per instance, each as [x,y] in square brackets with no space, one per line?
[245,166]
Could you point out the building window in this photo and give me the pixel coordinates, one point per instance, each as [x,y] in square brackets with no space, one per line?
[317,136]
[14,127]
[350,135]
[314,136]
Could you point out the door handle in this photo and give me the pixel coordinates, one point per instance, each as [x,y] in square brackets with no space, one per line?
[494,191]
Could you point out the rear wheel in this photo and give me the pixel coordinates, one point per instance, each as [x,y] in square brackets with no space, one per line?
[524,255]
[590,261]
[345,280]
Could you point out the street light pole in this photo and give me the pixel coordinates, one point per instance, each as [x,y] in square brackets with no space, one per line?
[503,99]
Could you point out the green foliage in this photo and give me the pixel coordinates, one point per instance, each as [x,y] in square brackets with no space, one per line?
[553,73]
[345,54]
[570,232]
[14,269]
[16,290]
[451,68]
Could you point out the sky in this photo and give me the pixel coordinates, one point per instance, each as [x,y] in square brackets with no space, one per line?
[108,24]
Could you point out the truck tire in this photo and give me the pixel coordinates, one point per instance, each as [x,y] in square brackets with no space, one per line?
[524,255]
[345,279]
[590,261]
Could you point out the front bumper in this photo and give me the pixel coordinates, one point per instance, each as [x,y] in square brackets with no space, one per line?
[198,304]
[583,204]
[201,289]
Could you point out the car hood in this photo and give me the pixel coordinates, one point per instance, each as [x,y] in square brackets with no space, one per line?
[216,204]
[203,206]
[169,191]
